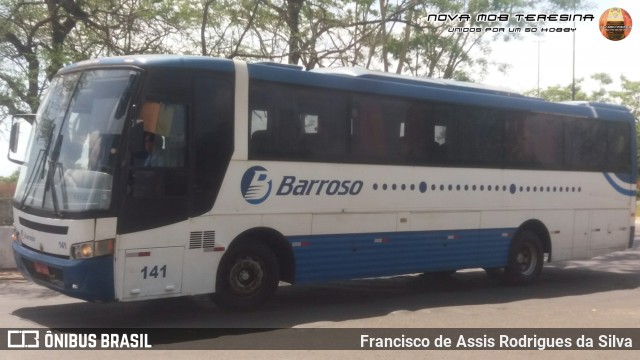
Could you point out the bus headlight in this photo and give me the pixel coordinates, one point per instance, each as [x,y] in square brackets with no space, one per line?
[82,250]
[91,249]
[15,236]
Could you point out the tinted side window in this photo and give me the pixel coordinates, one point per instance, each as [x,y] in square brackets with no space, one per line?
[322,117]
[585,144]
[263,105]
[439,135]
[417,139]
[619,147]
[533,141]
[393,131]
[377,129]
[165,126]
[158,180]
[213,134]
[477,137]
[294,123]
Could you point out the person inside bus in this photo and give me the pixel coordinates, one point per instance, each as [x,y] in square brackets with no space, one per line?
[150,155]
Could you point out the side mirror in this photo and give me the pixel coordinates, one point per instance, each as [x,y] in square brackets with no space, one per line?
[13,139]
[16,146]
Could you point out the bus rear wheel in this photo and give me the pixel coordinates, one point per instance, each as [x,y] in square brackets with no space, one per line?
[247,277]
[525,259]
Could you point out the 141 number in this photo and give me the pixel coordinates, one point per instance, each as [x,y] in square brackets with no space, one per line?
[154,272]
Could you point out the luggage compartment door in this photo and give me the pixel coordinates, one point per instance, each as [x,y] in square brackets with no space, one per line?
[153,273]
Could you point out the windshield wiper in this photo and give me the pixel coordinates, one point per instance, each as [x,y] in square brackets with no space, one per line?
[53,166]
[38,169]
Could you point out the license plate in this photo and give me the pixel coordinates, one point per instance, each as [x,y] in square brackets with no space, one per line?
[41,269]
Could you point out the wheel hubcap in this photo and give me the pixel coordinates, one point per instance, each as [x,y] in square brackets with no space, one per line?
[527,260]
[246,276]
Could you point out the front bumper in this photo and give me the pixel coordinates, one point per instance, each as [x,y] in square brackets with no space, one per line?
[86,279]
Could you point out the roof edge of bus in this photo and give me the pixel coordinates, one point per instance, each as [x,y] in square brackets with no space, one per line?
[420,81]
[279,65]
[141,60]
[597,104]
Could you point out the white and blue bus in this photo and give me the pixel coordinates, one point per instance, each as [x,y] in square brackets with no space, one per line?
[160,176]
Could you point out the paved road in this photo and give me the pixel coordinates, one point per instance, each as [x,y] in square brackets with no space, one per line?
[603,292]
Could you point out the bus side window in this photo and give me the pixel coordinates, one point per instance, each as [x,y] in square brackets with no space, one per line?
[586,142]
[322,128]
[310,123]
[440,134]
[259,141]
[213,136]
[164,135]
[263,122]
[367,131]
[618,147]
[175,140]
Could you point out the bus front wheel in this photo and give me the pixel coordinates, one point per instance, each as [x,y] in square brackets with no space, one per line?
[525,259]
[247,277]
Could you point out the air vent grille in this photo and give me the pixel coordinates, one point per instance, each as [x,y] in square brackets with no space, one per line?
[202,239]
[208,239]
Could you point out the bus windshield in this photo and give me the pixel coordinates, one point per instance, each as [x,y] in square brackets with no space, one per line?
[72,152]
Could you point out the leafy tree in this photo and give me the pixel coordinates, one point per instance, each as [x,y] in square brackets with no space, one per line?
[304,32]
[628,93]
[12,179]
[435,49]
[37,37]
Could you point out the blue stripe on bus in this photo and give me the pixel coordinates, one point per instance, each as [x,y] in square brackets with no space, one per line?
[618,188]
[350,256]
[626,178]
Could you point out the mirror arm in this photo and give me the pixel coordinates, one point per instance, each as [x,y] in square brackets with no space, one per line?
[30,118]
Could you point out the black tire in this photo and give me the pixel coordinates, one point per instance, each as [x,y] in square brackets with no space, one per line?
[496,273]
[525,259]
[440,274]
[247,276]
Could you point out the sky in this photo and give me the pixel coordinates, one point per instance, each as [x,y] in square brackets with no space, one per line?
[594,54]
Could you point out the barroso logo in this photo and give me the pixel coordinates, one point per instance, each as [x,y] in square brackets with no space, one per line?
[255,185]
